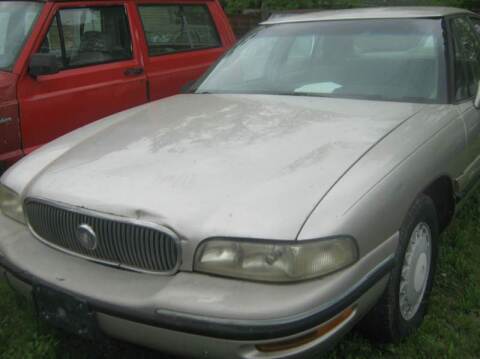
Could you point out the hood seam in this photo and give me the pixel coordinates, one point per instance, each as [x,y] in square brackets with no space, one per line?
[393,129]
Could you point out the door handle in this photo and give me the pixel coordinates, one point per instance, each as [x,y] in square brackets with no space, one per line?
[133,71]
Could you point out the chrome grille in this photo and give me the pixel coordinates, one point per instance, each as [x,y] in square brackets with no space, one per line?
[121,243]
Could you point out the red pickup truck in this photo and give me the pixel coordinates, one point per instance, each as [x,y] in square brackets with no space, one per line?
[64,64]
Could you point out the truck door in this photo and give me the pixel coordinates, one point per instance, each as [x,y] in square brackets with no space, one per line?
[101,71]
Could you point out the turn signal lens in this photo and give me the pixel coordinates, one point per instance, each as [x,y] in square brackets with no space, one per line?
[318,333]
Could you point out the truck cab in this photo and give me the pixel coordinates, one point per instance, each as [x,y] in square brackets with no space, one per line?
[64,64]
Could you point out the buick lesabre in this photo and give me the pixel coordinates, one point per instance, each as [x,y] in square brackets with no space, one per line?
[297,189]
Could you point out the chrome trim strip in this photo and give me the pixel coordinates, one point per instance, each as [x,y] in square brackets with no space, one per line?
[111,217]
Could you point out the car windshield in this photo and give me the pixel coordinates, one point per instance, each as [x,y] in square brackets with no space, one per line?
[16,21]
[393,60]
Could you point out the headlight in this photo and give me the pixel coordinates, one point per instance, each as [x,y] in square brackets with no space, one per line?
[275,262]
[11,204]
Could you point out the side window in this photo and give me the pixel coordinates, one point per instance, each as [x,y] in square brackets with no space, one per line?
[200,25]
[51,43]
[87,36]
[174,28]
[467,59]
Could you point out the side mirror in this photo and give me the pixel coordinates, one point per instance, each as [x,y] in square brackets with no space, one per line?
[43,64]
[477,98]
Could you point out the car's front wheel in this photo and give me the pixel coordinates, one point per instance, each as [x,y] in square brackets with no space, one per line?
[403,305]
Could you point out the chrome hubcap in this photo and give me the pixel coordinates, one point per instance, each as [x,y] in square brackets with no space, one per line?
[415,271]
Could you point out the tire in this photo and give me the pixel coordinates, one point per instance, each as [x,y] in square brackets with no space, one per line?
[390,321]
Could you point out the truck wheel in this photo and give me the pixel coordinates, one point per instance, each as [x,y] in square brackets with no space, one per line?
[403,305]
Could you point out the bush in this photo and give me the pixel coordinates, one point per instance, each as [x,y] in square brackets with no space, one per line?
[237,6]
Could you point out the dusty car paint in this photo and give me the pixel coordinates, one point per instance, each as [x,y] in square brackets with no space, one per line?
[242,152]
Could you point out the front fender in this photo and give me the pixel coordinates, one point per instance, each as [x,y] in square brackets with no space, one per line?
[371,201]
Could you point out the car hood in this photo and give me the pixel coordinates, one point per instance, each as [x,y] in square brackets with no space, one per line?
[220,165]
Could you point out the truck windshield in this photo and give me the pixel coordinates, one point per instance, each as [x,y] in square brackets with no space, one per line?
[16,21]
[391,60]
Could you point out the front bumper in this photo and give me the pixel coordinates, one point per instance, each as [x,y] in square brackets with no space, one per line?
[221,317]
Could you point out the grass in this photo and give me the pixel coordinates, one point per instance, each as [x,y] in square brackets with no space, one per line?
[451,328]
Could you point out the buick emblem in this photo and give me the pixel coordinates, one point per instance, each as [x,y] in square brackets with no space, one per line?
[87,237]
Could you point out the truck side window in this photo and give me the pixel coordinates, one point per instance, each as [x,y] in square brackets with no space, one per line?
[88,36]
[175,28]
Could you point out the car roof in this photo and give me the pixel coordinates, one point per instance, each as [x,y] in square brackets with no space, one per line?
[392,12]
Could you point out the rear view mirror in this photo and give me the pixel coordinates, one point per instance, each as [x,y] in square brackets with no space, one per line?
[477,97]
[43,64]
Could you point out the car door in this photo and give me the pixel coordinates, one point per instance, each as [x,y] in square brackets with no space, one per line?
[466,59]
[181,40]
[100,73]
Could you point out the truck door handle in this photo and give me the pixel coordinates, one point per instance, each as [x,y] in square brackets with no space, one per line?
[133,71]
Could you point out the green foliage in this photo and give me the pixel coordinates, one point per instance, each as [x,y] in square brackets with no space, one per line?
[237,6]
